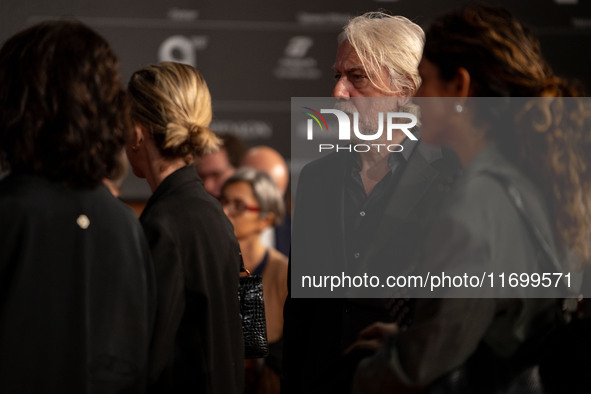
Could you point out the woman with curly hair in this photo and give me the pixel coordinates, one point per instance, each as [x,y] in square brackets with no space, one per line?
[76,282]
[197,342]
[491,96]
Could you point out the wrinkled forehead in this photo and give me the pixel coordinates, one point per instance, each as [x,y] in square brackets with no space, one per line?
[347,58]
[347,61]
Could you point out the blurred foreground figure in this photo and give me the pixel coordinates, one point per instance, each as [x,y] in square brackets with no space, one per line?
[496,88]
[75,271]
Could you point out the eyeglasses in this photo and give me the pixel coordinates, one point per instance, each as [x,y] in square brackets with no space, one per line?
[237,207]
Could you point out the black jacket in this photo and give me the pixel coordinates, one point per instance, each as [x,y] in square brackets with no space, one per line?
[197,344]
[318,330]
[76,290]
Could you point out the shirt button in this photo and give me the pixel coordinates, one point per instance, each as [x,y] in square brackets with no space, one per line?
[356,255]
[362,213]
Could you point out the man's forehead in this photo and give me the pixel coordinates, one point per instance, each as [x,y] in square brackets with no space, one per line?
[349,69]
[347,60]
[215,159]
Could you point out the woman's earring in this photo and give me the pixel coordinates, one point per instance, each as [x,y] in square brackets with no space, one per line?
[459,109]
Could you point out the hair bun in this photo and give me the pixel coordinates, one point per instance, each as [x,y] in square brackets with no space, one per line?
[195,129]
[176,135]
[203,139]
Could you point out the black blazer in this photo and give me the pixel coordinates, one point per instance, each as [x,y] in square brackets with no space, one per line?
[318,330]
[197,342]
[76,290]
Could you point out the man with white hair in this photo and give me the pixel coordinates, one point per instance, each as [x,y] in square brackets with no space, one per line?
[361,208]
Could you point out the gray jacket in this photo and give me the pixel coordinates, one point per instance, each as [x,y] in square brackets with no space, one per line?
[479,230]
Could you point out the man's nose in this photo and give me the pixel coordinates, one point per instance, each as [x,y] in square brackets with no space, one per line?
[341,88]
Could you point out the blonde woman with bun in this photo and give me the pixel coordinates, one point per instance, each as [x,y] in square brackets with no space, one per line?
[197,339]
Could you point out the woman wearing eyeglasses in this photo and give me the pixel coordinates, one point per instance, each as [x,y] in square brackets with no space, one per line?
[252,202]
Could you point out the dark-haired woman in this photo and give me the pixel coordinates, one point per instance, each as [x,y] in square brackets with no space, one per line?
[491,345]
[76,283]
[197,345]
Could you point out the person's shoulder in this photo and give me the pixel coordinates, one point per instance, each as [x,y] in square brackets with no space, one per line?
[480,190]
[27,186]
[484,177]
[322,170]
[440,157]
[277,259]
[188,208]
[478,197]
[11,189]
[37,193]
[159,218]
[178,200]
[22,199]
[450,157]
[277,267]
[105,201]
[105,211]
[330,161]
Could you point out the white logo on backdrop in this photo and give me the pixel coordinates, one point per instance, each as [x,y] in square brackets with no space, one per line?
[182,49]
[295,64]
[245,129]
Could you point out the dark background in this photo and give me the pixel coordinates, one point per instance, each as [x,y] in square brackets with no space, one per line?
[256,55]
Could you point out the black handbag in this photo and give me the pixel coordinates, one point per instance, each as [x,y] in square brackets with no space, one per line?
[252,313]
